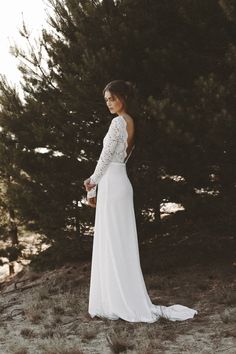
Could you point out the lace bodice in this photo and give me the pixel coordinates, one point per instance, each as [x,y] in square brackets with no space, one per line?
[114,150]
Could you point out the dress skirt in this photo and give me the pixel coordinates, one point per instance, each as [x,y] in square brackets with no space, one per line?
[117,287]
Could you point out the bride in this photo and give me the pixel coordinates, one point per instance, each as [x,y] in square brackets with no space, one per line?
[117,287]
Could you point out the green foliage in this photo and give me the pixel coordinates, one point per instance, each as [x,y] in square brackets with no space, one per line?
[180,54]
[11,252]
[59,253]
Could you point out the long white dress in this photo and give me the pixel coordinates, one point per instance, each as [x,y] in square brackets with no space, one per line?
[117,287]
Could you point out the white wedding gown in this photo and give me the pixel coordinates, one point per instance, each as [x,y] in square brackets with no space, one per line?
[117,287]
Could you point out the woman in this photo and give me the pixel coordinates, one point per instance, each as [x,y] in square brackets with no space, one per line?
[117,287]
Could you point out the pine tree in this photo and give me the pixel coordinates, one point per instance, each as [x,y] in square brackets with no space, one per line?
[180,54]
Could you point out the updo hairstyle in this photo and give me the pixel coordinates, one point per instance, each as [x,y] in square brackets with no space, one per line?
[124,90]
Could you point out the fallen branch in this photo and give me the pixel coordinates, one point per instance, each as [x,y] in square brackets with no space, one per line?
[10,317]
[20,281]
[23,288]
[66,323]
[21,311]
[6,306]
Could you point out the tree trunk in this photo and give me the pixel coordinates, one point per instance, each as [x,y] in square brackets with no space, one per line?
[13,233]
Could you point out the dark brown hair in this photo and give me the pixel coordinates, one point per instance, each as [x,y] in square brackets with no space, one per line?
[124,90]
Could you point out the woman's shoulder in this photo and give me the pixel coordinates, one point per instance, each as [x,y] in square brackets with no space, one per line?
[118,121]
[126,116]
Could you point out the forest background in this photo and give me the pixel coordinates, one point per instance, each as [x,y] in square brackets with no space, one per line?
[181,57]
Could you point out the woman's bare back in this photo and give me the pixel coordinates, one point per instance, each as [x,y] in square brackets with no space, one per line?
[131,132]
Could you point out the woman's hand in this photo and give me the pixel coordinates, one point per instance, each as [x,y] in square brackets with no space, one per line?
[92,202]
[88,185]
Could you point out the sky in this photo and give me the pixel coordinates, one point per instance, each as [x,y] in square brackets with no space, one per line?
[11,12]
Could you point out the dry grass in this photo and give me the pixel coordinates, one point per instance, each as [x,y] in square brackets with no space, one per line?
[27,333]
[227,296]
[228,316]
[59,346]
[33,314]
[58,310]
[89,334]
[230,332]
[118,344]
[55,316]
[21,351]
[63,351]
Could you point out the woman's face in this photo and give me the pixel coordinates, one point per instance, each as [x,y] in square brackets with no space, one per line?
[114,104]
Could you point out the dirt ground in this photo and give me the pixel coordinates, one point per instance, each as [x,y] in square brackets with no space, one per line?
[46,313]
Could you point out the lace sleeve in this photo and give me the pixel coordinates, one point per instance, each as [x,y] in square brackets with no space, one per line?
[109,144]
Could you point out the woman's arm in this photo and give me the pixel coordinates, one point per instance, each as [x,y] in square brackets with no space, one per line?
[110,141]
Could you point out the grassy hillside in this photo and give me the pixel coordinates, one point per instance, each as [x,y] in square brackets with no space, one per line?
[46,313]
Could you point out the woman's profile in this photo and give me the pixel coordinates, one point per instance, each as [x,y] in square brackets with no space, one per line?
[117,287]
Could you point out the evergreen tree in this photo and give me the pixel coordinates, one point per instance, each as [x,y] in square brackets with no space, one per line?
[180,54]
